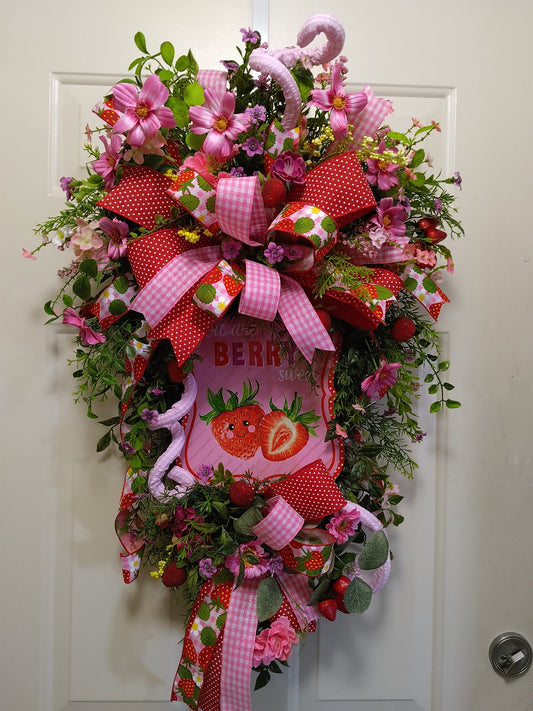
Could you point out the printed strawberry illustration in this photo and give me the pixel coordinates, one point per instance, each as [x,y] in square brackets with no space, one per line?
[213,276]
[235,421]
[187,686]
[189,651]
[233,286]
[288,558]
[315,561]
[205,657]
[284,432]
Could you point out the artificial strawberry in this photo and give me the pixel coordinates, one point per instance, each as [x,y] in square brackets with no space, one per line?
[341,607]
[340,585]
[427,223]
[173,576]
[403,329]
[274,192]
[176,372]
[435,236]
[284,432]
[235,422]
[328,609]
[241,493]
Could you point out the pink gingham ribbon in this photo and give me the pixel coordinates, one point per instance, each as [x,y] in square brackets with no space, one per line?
[367,122]
[215,79]
[172,282]
[240,210]
[238,647]
[280,525]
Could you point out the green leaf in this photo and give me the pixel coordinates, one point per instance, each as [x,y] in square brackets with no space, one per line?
[396,136]
[444,365]
[208,636]
[82,287]
[193,95]
[303,225]
[269,598]
[67,300]
[121,285]
[180,110]
[206,293]
[189,202]
[418,158]
[165,75]
[244,524]
[262,679]
[140,41]
[48,309]
[382,292]
[452,404]
[448,386]
[429,378]
[433,389]
[112,421]
[204,611]
[410,284]
[328,224]
[104,442]
[429,285]
[435,406]
[167,52]
[89,267]
[182,63]
[117,307]
[375,553]
[419,180]
[358,596]
[194,141]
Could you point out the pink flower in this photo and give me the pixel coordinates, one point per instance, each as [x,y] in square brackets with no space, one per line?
[274,253]
[289,167]
[152,146]
[85,238]
[253,556]
[343,524]
[382,171]
[342,106]
[88,337]
[274,643]
[117,231]
[143,112]
[28,255]
[390,217]
[217,120]
[107,164]
[376,385]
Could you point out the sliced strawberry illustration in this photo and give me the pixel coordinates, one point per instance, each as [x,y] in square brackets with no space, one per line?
[285,432]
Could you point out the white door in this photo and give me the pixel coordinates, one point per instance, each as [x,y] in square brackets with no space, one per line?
[73,636]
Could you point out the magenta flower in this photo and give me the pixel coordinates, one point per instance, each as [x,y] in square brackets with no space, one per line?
[149,416]
[231,248]
[274,253]
[204,474]
[376,385]
[342,106]
[254,558]
[343,525]
[117,231]
[252,147]
[217,120]
[88,337]
[390,217]
[206,568]
[257,113]
[382,171]
[64,184]
[457,180]
[289,167]
[274,643]
[249,35]
[143,112]
[107,164]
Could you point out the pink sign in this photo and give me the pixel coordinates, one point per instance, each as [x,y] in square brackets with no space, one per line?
[256,410]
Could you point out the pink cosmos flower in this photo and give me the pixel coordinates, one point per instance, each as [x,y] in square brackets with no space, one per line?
[342,106]
[376,385]
[382,171]
[390,217]
[88,337]
[217,120]
[343,524]
[107,164]
[117,231]
[254,557]
[143,112]
[274,643]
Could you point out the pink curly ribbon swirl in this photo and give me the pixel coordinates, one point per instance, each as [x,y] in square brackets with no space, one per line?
[171,420]
[276,63]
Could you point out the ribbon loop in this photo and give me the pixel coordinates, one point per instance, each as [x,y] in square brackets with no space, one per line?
[261,293]
[240,211]
[280,525]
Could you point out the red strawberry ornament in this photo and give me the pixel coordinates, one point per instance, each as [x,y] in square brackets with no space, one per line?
[328,609]
[274,192]
[403,329]
[241,493]
[173,576]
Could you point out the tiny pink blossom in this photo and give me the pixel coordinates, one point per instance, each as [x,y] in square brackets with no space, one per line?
[343,524]
[382,171]
[217,120]
[28,255]
[143,112]
[274,643]
[340,432]
[117,231]
[376,385]
[88,337]
[289,167]
[85,239]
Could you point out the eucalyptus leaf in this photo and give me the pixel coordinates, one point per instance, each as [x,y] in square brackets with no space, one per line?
[358,596]
[269,598]
[375,553]
[245,523]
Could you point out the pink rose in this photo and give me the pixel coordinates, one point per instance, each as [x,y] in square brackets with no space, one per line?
[289,167]
[275,642]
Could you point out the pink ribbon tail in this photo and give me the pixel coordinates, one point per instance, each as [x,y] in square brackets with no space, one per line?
[238,647]
[260,296]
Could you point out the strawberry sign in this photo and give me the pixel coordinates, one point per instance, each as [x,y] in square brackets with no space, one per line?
[254,409]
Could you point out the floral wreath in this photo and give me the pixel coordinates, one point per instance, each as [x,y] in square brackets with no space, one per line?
[269,196]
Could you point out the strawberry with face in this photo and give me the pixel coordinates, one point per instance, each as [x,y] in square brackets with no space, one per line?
[235,421]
